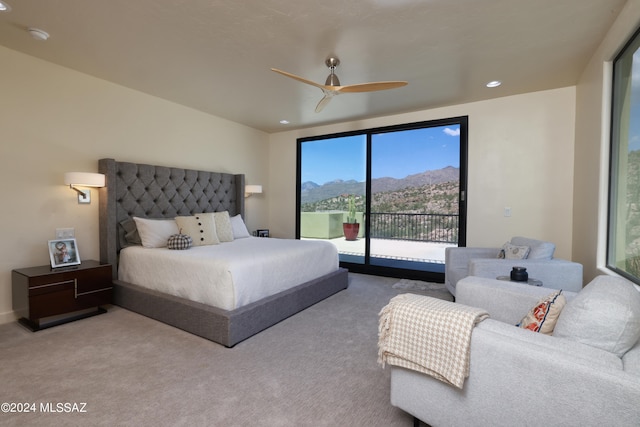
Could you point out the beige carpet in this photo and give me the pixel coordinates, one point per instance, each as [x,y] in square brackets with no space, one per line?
[317,368]
[436,290]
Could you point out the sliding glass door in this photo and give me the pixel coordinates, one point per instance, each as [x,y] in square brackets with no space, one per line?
[391,199]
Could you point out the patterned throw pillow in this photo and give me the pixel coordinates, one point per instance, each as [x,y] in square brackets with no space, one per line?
[544,315]
[510,251]
[179,241]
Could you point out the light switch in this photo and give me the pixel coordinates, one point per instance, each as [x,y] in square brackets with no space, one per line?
[507,211]
[65,233]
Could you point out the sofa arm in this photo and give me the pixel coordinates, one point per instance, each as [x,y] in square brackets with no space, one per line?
[456,261]
[505,301]
[554,273]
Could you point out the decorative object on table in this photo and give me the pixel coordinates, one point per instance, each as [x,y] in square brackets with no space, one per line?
[351,228]
[262,233]
[63,253]
[519,274]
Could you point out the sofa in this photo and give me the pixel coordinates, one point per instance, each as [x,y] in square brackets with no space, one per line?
[538,259]
[587,373]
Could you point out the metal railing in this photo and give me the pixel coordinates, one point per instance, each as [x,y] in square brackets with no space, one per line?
[437,228]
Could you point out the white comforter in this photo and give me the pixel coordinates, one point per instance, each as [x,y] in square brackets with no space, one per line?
[231,274]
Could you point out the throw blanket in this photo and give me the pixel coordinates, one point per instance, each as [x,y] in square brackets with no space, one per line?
[428,335]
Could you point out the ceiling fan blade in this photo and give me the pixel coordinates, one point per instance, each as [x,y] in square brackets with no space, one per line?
[298,78]
[370,87]
[324,101]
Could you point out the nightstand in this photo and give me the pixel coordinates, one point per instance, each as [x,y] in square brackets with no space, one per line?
[48,297]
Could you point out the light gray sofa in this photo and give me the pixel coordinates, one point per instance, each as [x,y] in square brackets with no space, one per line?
[581,376]
[554,273]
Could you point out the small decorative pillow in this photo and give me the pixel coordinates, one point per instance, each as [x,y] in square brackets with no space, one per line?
[510,251]
[179,241]
[201,228]
[543,317]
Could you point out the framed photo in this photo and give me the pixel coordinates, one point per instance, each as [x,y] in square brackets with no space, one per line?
[63,252]
[263,233]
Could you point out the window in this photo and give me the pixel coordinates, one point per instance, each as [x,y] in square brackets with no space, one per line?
[390,199]
[623,251]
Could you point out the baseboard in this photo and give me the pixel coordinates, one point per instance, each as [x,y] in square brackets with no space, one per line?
[8,317]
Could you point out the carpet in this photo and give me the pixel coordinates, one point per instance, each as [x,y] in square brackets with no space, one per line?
[432,289]
[317,368]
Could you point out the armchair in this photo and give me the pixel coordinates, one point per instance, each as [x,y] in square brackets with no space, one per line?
[576,377]
[554,273]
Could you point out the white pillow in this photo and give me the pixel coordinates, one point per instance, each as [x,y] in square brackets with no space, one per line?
[223,226]
[201,228]
[239,228]
[154,233]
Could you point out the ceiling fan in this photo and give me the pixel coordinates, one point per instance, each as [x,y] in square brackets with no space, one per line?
[332,85]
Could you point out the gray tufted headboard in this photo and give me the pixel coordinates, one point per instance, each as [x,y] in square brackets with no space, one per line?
[141,190]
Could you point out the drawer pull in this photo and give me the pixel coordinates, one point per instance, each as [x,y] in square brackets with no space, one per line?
[74,281]
[91,292]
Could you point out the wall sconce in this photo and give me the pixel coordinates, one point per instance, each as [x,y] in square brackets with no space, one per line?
[84,179]
[252,189]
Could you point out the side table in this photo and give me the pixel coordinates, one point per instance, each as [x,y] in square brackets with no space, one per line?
[531,281]
[48,297]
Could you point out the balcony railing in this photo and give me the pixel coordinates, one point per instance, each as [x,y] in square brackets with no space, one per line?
[438,228]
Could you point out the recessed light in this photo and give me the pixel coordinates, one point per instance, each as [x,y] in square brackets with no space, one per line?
[4,7]
[284,122]
[494,83]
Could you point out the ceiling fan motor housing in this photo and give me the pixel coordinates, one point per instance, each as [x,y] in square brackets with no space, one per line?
[332,79]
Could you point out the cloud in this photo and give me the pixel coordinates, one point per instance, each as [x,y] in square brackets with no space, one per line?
[452,132]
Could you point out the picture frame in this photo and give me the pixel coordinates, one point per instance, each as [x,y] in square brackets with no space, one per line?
[63,253]
[263,233]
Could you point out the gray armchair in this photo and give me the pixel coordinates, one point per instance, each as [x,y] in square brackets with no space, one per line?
[586,374]
[554,273]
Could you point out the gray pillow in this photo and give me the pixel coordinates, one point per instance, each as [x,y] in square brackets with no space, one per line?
[539,249]
[605,314]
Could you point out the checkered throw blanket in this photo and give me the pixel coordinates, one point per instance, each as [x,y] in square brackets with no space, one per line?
[428,335]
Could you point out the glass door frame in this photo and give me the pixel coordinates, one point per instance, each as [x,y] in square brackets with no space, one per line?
[366,267]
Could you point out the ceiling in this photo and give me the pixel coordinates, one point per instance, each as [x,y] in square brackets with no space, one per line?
[215,55]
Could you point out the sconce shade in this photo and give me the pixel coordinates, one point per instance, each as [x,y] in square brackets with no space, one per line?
[84,179]
[253,189]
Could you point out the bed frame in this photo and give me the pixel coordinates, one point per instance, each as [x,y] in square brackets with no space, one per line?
[142,190]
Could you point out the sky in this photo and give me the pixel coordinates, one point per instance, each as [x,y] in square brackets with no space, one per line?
[393,154]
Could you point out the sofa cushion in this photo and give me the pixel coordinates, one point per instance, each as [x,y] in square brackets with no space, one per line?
[543,316]
[605,314]
[510,251]
[539,249]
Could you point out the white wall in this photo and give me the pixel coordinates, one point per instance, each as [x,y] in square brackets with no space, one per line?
[520,156]
[54,120]
[593,94]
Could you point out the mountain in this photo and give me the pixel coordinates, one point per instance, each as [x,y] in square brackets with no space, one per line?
[312,192]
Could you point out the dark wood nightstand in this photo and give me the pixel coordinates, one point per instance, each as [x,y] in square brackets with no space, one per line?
[48,297]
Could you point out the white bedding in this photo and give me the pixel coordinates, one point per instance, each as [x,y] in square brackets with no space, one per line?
[231,274]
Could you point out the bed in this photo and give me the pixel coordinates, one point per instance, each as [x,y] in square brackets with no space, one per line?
[147,191]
